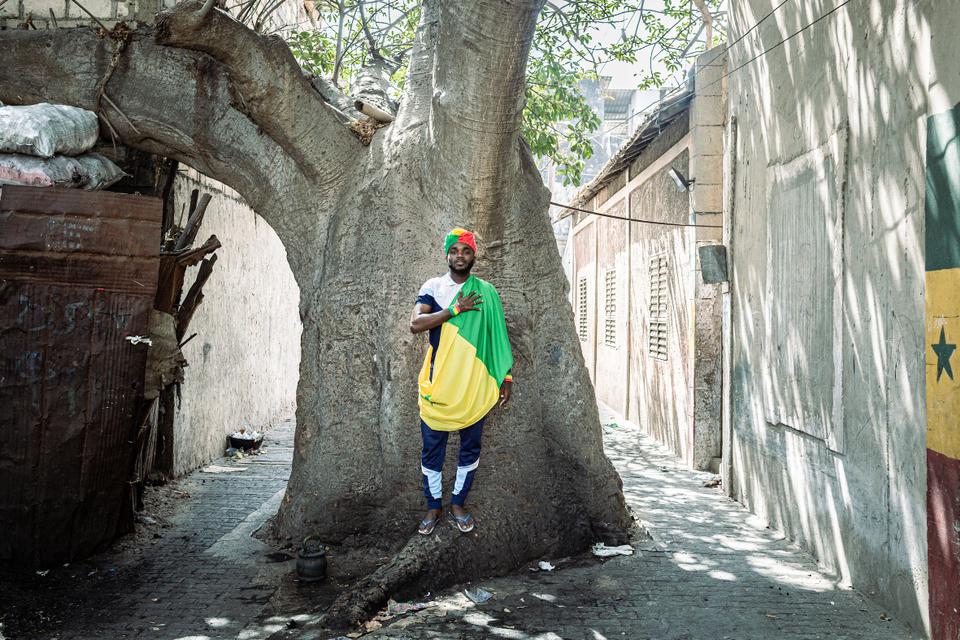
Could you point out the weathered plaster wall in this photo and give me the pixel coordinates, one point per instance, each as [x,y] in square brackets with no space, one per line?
[244,363]
[827,378]
[585,291]
[708,116]
[661,389]
[612,352]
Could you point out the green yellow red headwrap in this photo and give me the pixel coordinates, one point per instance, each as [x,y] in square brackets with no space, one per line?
[459,235]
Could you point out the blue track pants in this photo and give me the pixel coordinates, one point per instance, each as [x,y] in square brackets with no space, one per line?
[431,462]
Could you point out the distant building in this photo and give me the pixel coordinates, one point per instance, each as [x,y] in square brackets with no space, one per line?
[620,114]
[648,326]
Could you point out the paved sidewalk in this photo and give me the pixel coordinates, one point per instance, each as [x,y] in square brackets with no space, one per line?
[200,577]
[707,574]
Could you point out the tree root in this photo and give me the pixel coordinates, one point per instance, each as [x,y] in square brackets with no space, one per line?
[371,593]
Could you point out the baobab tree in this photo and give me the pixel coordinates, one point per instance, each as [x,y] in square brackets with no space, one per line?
[362,226]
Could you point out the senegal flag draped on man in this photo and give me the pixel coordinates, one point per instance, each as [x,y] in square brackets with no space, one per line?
[473,358]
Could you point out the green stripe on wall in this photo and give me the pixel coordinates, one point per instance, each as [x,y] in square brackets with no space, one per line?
[943,190]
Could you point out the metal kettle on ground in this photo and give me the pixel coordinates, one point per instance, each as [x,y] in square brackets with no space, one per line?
[311,560]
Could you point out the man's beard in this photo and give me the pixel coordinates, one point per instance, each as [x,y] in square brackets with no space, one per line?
[460,272]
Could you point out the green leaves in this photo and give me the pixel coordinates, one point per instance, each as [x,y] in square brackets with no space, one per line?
[573,42]
[350,32]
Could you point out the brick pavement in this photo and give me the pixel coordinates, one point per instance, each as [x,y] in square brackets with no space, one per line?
[205,578]
[708,573]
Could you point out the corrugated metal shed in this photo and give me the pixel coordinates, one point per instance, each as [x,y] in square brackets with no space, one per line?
[78,274]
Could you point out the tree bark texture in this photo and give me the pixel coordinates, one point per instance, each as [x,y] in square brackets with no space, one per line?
[363,228]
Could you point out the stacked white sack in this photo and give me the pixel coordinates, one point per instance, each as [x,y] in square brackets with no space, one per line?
[36,143]
[46,130]
[90,171]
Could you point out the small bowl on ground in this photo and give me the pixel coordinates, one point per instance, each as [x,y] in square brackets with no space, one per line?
[246,444]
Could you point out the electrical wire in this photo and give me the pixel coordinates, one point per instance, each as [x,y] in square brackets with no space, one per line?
[741,66]
[708,64]
[779,44]
[610,215]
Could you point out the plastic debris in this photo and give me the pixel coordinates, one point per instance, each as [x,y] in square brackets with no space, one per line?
[243,434]
[138,339]
[395,608]
[603,551]
[545,566]
[478,594]
[43,573]
[714,482]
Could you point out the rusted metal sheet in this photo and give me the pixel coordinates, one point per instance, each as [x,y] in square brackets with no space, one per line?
[78,274]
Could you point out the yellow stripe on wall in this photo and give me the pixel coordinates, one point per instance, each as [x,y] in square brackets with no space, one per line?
[462,390]
[943,395]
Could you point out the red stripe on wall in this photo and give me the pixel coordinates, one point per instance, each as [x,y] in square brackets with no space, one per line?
[943,540]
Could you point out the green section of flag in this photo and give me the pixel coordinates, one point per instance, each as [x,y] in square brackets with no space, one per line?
[943,190]
[486,329]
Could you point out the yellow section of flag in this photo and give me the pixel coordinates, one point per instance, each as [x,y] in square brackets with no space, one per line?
[943,361]
[462,390]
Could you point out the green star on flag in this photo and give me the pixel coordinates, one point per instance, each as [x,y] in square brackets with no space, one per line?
[944,351]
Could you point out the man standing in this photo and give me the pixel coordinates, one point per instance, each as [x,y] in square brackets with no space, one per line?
[466,371]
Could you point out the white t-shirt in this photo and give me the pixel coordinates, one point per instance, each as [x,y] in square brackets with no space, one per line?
[439,292]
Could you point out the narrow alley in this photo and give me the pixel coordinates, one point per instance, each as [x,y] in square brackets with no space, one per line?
[704,571]
[199,574]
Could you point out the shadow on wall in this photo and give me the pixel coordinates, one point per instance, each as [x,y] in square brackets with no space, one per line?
[244,364]
[827,281]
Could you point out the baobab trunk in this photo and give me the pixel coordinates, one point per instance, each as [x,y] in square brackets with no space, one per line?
[362,226]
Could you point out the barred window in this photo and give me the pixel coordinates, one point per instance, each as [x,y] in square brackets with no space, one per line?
[582,309]
[657,320]
[610,308]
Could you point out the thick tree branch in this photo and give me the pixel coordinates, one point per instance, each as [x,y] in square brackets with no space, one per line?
[269,83]
[480,62]
[414,108]
[372,84]
[180,102]
[336,98]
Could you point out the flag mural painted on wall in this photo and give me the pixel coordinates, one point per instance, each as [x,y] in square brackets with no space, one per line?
[472,359]
[942,333]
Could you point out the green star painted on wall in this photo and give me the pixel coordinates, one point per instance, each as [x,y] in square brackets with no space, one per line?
[944,351]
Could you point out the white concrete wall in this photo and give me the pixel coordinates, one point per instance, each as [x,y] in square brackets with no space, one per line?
[244,363]
[826,240]
[708,117]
